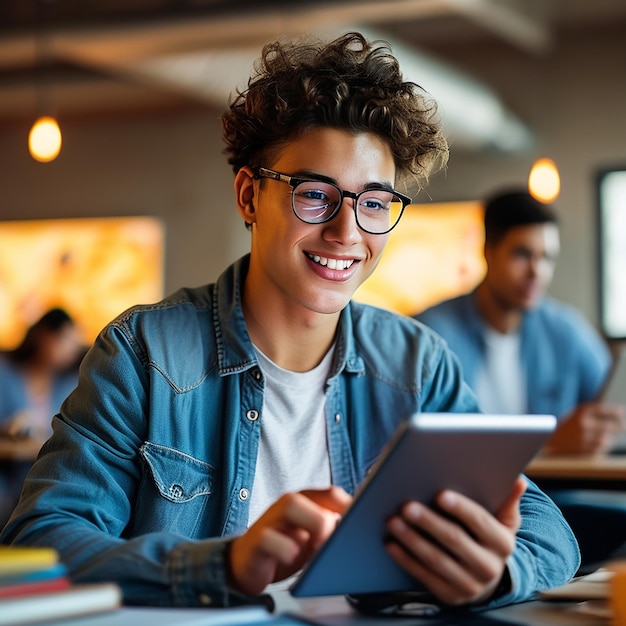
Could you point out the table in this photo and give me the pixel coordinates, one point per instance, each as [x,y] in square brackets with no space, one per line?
[575,472]
[335,611]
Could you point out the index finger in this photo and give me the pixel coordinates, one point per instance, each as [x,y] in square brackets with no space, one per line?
[333,498]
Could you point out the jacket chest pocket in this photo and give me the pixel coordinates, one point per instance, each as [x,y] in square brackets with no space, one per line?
[175,492]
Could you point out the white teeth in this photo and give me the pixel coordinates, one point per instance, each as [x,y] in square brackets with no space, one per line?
[333,264]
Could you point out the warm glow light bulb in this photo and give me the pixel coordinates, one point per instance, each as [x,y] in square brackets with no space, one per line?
[544,182]
[44,139]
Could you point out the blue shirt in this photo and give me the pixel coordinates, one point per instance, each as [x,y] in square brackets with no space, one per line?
[564,360]
[14,396]
[150,467]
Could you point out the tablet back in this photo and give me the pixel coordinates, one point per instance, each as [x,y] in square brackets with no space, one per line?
[477,455]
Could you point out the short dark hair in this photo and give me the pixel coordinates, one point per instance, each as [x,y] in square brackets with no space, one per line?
[511,208]
[349,84]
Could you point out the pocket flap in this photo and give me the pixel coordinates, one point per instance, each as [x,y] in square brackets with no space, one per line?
[178,476]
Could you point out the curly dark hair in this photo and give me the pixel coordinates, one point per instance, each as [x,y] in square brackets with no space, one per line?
[349,83]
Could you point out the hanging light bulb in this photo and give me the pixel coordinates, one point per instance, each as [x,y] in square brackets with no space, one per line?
[544,182]
[44,139]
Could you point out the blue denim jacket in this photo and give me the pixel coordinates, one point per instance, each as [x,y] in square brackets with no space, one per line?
[150,467]
[564,359]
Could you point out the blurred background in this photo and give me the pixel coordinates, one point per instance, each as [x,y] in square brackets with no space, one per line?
[137,88]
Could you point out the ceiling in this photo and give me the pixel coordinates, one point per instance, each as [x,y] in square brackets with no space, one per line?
[91,57]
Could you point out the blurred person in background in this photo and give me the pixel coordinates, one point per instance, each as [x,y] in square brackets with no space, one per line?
[35,378]
[525,352]
[522,351]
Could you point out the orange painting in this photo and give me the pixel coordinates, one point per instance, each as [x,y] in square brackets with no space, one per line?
[435,253]
[93,268]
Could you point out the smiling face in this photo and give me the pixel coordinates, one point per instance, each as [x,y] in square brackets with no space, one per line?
[521,265]
[304,269]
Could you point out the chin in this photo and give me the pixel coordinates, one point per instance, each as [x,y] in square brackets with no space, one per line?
[528,303]
[330,305]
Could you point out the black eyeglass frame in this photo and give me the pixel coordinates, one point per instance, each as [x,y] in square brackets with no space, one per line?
[293,182]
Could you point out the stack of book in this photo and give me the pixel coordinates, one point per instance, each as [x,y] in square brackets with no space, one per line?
[35,588]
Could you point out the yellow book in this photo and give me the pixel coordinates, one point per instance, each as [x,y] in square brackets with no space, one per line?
[18,559]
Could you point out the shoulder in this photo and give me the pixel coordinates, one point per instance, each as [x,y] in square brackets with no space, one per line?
[563,317]
[177,324]
[452,309]
[456,320]
[180,307]
[564,324]
[174,337]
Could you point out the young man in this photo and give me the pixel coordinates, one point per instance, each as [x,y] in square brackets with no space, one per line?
[523,352]
[520,350]
[214,437]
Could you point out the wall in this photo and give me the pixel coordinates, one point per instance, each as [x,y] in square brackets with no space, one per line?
[172,166]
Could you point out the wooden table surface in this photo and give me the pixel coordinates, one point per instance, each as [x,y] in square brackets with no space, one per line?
[610,467]
[593,472]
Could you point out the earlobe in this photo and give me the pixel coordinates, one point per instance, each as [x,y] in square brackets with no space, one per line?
[245,194]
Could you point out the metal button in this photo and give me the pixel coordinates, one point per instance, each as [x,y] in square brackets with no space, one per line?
[244,494]
[337,418]
[205,600]
[252,415]
[256,372]
[176,491]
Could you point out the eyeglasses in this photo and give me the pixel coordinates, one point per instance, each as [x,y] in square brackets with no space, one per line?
[377,210]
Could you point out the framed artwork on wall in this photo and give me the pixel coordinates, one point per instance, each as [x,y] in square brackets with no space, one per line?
[612,252]
[435,253]
[94,268]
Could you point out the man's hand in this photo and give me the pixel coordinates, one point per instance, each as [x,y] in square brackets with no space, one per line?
[459,551]
[284,537]
[590,429]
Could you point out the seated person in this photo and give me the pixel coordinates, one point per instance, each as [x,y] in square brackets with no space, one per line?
[37,375]
[214,437]
[524,352]
[35,378]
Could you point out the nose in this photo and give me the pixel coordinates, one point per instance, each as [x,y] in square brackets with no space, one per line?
[533,267]
[343,227]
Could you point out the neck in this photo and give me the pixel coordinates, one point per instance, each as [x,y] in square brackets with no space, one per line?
[496,313]
[294,340]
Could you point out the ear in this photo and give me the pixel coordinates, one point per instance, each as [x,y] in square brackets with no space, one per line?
[245,194]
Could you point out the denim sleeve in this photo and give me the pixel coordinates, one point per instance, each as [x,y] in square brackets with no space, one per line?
[546,552]
[80,495]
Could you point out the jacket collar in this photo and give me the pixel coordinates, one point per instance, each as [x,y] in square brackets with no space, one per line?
[235,352]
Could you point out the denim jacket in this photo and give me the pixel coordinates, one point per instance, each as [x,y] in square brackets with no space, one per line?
[564,360]
[149,470]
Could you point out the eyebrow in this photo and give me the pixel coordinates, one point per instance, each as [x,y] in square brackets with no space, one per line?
[310,175]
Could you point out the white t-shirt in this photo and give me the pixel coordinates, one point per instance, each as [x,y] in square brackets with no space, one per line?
[500,382]
[293,450]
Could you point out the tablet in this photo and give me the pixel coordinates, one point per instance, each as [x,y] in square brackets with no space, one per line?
[477,455]
[614,389]
[614,392]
